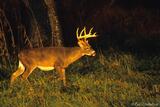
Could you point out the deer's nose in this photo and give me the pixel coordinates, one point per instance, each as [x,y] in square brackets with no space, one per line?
[93,53]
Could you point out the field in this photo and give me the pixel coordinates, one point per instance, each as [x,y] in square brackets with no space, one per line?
[107,80]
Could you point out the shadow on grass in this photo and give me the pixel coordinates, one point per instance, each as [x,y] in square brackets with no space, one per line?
[4,75]
[4,79]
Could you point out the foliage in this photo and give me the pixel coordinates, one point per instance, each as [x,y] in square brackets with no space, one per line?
[109,80]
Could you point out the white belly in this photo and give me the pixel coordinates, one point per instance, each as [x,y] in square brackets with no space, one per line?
[21,66]
[45,68]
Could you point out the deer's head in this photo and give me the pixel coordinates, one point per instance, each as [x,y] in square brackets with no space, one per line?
[83,42]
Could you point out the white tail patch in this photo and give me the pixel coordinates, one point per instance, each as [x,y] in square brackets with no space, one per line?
[21,66]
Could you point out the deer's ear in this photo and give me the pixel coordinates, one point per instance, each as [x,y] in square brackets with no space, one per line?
[81,44]
[87,41]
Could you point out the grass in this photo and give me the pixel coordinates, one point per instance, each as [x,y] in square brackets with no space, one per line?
[107,80]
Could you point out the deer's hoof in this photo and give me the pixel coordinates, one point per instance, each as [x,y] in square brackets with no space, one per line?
[70,89]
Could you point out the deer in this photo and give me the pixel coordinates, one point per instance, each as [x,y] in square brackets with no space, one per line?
[50,58]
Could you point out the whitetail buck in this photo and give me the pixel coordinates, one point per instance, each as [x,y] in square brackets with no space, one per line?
[50,58]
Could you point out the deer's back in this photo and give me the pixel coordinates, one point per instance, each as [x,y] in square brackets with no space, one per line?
[45,56]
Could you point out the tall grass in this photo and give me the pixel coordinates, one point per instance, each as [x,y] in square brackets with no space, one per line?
[108,80]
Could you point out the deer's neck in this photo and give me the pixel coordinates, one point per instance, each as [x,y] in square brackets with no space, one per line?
[74,55]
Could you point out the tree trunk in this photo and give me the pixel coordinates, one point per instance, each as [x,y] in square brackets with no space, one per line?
[36,35]
[54,23]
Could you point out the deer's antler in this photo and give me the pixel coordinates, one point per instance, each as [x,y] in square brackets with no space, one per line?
[84,35]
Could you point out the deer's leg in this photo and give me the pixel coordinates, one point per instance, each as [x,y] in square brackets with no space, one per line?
[17,73]
[27,72]
[61,72]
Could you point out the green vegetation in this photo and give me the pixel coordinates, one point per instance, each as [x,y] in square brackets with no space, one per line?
[107,80]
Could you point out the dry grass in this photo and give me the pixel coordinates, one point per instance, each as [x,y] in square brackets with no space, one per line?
[114,80]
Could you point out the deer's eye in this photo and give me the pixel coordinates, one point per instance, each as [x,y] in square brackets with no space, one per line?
[87,48]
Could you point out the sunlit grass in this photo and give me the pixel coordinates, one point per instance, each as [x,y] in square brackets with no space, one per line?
[116,80]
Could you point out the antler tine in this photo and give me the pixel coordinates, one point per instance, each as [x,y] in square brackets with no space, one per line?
[85,31]
[90,35]
[77,33]
[80,36]
[85,36]
[95,34]
[90,31]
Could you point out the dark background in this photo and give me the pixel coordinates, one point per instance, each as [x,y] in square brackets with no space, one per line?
[127,25]
[121,24]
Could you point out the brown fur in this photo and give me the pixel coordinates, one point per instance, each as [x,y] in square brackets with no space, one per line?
[56,57]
